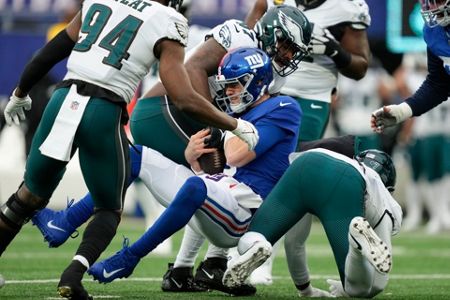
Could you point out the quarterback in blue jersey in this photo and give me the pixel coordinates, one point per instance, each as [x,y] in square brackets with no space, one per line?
[436,87]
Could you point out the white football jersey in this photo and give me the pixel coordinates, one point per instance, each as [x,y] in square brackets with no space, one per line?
[316,80]
[116,43]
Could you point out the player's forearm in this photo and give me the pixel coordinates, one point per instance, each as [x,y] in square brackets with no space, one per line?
[52,53]
[356,69]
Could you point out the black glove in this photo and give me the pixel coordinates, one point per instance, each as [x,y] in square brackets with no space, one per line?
[324,43]
[213,163]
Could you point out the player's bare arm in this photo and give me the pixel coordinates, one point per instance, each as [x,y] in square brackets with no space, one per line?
[200,65]
[175,79]
[203,63]
[356,43]
[256,12]
[237,152]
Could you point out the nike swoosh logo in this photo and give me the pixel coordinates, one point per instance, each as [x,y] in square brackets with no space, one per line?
[313,106]
[176,283]
[109,274]
[50,225]
[335,52]
[210,276]
[285,104]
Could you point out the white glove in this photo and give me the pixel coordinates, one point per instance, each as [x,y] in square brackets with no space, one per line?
[336,288]
[313,292]
[247,132]
[14,109]
[390,115]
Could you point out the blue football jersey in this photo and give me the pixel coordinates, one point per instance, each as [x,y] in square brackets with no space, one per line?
[277,121]
[438,41]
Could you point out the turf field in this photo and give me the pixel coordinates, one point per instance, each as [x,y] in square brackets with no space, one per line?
[421,269]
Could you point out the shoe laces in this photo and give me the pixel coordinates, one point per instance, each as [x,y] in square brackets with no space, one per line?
[69,203]
[126,242]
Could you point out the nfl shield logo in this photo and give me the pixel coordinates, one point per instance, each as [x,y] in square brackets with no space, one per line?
[74,105]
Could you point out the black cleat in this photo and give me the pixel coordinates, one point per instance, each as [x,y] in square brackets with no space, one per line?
[70,286]
[209,275]
[180,280]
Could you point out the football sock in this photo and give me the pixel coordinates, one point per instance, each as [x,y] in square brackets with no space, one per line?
[294,246]
[79,212]
[188,199]
[190,246]
[98,234]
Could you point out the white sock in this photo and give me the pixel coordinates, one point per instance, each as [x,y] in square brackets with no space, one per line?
[190,246]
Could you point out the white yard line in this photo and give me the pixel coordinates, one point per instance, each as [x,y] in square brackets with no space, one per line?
[158,279]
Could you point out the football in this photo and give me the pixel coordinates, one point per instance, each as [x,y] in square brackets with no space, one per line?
[213,163]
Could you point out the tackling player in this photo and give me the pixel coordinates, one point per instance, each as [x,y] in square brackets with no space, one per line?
[352,199]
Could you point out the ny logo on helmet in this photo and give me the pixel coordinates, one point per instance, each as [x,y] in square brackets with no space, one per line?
[254,61]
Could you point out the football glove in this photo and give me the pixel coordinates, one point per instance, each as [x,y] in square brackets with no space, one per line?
[313,292]
[246,132]
[336,288]
[324,43]
[390,115]
[14,110]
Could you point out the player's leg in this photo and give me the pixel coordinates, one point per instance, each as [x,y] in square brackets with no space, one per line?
[281,210]
[58,226]
[36,190]
[362,278]
[187,201]
[296,253]
[104,162]
[157,124]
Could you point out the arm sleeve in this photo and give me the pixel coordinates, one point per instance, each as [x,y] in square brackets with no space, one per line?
[53,52]
[434,90]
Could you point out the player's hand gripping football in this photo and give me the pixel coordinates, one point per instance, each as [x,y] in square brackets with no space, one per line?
[204,151]
[14,110]
[247,132]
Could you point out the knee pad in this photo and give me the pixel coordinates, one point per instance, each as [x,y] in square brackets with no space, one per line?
[16,212]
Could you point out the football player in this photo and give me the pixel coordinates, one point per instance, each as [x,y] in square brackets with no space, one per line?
[436,87]
[339,45]
[352,199]
[111,46]
[283,33]
[219,206]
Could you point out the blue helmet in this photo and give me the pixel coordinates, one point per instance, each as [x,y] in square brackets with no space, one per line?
[435,12]
[251,68]
[381,163]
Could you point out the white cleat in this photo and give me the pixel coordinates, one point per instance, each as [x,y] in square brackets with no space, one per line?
[364,238]
[240,269]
